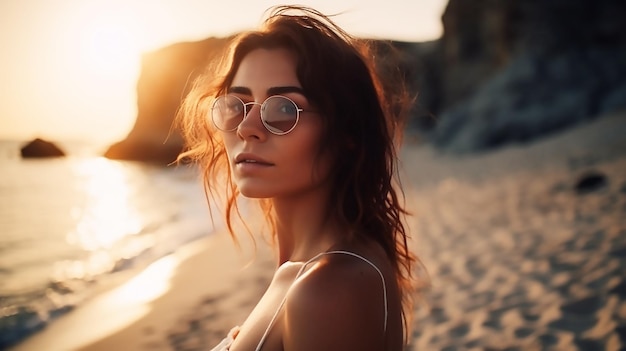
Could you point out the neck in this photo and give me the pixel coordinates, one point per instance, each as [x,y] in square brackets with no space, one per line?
[304,228]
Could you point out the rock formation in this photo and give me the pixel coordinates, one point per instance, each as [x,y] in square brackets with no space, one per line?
[39,148]
[513,71]
[166,75]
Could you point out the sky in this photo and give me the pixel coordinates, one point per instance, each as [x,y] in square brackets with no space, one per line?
[68,68]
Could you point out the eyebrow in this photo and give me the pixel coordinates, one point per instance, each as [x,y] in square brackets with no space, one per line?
[270,91]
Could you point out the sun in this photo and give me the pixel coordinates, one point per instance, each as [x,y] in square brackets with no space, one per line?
[108,45]
[95,63]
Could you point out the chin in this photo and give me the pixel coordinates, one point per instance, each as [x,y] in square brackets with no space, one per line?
[254,192]
[253,195]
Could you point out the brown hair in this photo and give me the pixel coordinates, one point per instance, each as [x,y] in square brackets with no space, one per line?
[338,75]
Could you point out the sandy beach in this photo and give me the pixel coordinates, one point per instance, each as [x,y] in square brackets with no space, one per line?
[525,249]
[525,246]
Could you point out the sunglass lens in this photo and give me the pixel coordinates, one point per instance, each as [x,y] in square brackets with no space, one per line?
[227,112]
[279,114]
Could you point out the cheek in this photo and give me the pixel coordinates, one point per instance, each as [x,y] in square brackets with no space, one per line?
[324,164]
[309,163]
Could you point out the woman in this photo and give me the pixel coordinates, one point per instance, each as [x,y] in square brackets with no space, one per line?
[296,118]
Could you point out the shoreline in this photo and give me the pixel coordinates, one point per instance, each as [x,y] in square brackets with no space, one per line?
[139,316]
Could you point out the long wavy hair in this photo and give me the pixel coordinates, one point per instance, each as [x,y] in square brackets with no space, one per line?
[361,119]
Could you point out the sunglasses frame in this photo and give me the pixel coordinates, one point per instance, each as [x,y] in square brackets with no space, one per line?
[246,110]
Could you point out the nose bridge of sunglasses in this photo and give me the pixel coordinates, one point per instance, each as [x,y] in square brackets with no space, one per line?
[249,106]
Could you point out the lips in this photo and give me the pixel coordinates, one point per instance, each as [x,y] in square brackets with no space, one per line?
[251,159]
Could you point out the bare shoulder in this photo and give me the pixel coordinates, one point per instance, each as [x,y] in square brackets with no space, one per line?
[337,304]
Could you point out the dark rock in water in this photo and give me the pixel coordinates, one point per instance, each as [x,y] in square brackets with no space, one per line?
[590,182]
[41,148]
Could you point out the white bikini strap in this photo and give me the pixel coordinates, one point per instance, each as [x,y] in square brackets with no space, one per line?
[282,303]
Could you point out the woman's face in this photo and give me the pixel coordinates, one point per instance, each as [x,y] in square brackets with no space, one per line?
[265,165]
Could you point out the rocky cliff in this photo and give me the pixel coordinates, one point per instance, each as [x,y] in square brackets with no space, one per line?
[512,71]
[503,71]
[166,75]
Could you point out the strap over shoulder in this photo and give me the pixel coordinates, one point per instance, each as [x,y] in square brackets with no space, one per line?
[380,273]
[302,270]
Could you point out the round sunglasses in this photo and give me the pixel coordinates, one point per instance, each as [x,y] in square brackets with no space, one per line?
[279,114]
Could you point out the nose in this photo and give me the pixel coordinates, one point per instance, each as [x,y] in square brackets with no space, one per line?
[251,126]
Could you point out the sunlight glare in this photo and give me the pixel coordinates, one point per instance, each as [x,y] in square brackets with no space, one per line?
[95,52]
[108,214]
[149,284]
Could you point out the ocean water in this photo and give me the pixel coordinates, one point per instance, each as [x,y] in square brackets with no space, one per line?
[69,226]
